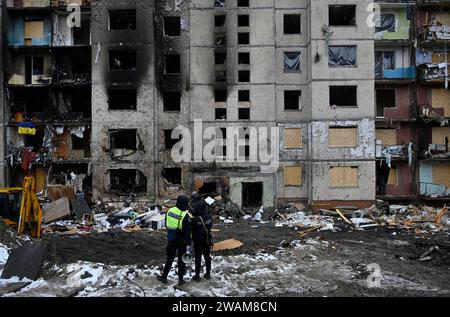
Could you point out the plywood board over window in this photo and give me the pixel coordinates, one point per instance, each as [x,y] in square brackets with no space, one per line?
[293,138]
[441,99]
[34,29]
[293,176]
[439,134]
[344,176]
[441,174]
[393,177]
[387,136]
[343,137]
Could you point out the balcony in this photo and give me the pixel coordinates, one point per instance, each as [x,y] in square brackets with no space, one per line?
[434,181]
[433,73]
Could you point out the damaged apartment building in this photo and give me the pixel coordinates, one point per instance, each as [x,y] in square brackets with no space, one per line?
[362,110]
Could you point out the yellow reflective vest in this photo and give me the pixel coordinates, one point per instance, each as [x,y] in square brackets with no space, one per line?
[174,218]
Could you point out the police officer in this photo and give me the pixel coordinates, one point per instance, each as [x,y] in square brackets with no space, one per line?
[178,236]
[201,236]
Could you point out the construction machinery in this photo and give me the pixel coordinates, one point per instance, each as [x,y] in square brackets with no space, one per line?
[20,208]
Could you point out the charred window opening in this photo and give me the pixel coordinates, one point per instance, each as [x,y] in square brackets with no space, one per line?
[292,99]
[123,139]
[32,105]
[122,99]
[78,143]
[208,188]
[291,61]
[243,20]
[172,101]
[243,3]
[244,76]
[219,20]
[243,38]
[34,66]
[343,96]
[224,137]
[220,58]
[221,113]
[244,58]
[244,96]
[81,102]
[122,60]
[168,141]
[220,39]
[244,114]
[81,36]
[220,4]
[124,181]
[252,195]
[385,99]
[172,26]
[220,76]
[342,56]
[291,24]
[342,15]
[120,20]
[172,64]
[220,95]
[172,175]
[34,141]
[73,67]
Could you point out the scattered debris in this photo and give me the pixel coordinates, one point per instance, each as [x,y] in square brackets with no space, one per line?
[56,210]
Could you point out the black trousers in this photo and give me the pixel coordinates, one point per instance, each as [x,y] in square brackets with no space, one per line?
[173,247]
[201,247]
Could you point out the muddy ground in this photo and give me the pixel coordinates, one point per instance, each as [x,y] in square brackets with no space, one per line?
[273,261]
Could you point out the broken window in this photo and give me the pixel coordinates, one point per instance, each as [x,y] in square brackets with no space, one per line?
[387,136]
[122,99]
[243,20]
[220,76]
[385,23]
[81,36]
[172,101]
[343,176]
[34,66]
[244,95]
[244,76]
[385,99]
[123,139]
[220,57]
[292,99]
[33,29]
[223,150]
[220,95]
[342,137]
[172,63]
[252,195]
[122,20]
[168,141]
[291,24]
[172,26]
[221,114]
[343,96]
[384,61]
[126,181]
[244,114]
[342,15]
[219,4]
[219,20]
[122,59]
[172,175]
[244,58]
[220,39]
[78,143]
[293,138]
[243,3]
[208,188]
[292,176]
[35,141]
[291,61]
[342,56]
[243,38]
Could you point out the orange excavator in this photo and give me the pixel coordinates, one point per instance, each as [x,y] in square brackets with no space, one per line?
[20,208]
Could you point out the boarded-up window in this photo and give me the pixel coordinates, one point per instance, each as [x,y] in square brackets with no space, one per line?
[393,178]
[441,99]
[34,29]
[293,138]
[387,136]
[441,174]
[343,137]
[344,176]
[293,176]
[439,135]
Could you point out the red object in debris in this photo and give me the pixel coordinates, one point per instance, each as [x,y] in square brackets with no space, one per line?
[27,158]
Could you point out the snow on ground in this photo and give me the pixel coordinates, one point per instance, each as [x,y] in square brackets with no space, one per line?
[4,254]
